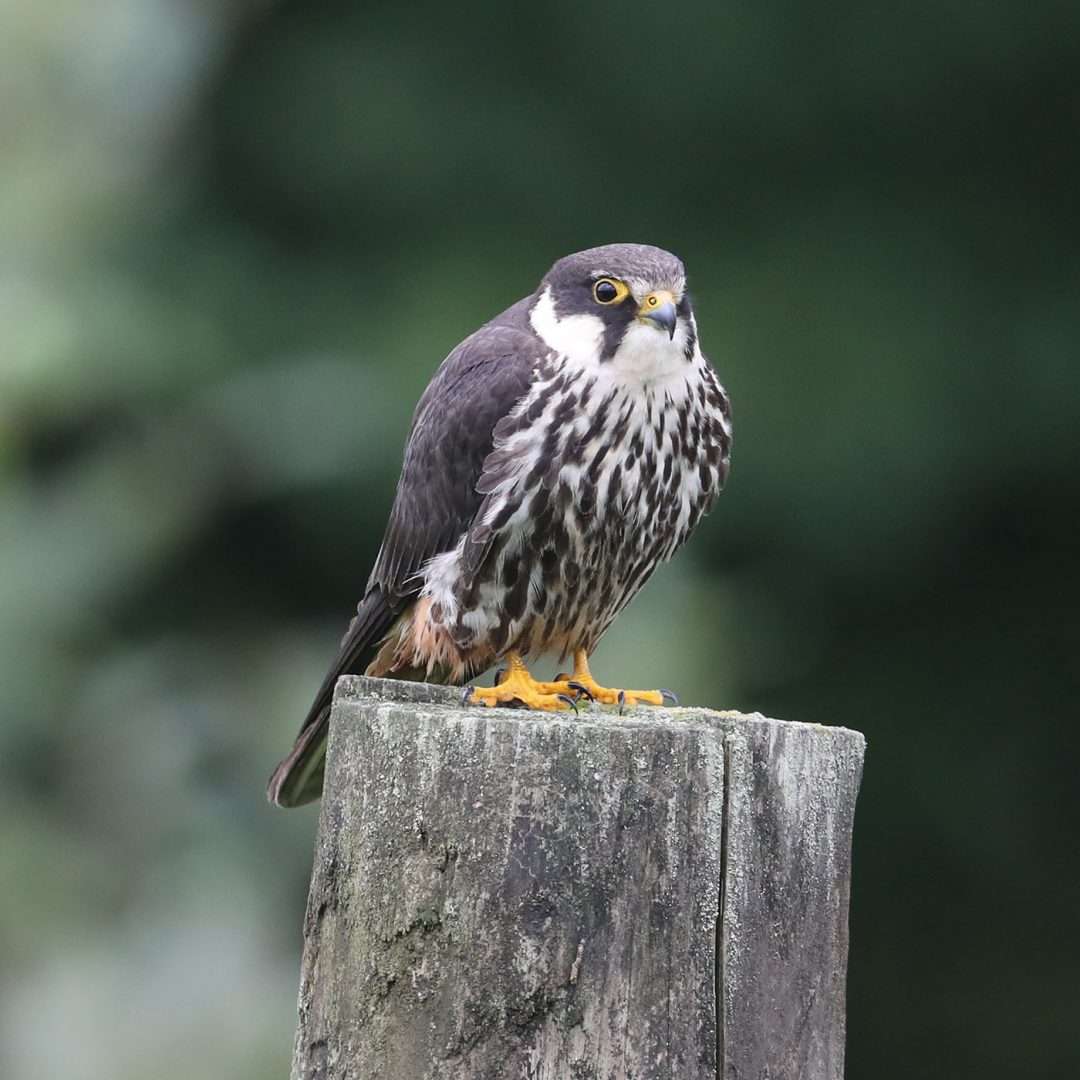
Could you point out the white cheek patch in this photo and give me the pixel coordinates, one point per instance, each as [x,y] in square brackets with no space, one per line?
[644,356]
[577,337]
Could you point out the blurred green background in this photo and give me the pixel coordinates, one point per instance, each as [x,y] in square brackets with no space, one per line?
[238,237]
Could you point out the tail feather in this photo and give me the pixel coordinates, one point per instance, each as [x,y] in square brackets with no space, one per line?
[298,778]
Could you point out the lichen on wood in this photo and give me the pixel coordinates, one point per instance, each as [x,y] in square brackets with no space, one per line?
[501,893]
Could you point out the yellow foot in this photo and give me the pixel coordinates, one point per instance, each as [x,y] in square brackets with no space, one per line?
[582,684]
[518,689]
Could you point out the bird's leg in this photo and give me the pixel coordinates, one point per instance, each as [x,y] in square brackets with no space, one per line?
[581,682]
[517,687]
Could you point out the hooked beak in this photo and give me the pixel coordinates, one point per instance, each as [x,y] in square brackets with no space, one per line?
[658,308]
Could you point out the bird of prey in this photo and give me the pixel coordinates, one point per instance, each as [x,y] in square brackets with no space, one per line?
[558,455]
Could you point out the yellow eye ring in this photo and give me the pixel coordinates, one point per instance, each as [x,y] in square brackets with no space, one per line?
[608,291]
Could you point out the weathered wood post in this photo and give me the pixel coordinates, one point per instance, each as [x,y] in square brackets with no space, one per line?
[509,894]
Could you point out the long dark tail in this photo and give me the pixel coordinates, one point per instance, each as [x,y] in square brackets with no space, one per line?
[298,778]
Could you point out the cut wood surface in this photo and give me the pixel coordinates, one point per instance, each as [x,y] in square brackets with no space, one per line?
[512,894]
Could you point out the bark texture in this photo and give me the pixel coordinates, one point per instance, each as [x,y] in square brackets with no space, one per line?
[510,894]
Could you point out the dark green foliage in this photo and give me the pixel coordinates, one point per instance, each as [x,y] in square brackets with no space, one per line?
[238,240]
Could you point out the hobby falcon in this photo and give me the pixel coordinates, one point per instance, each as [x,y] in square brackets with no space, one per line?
[558,455]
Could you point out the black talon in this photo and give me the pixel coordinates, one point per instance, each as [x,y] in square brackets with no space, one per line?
[669,696]
[500,674]
[561,677]
[583,691]
[622,701]
[466,695]
[569,701]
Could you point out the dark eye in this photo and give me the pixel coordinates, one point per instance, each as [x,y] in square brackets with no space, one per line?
[606,291]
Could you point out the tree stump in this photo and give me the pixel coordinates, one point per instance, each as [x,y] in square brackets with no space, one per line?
[511,894]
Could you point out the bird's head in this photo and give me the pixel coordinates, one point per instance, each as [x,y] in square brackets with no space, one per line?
[623,305]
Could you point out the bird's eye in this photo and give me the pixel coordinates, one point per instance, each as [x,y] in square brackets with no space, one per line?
[607,291]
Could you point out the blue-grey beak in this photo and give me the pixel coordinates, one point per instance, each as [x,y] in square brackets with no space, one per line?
[659,309]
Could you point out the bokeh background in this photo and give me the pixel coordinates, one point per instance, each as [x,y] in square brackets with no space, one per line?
[237,238]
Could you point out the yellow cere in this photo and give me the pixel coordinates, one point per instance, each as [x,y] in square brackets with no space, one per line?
[655,299]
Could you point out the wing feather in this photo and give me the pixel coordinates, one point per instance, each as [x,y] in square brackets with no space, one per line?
[437,499]
[451,437]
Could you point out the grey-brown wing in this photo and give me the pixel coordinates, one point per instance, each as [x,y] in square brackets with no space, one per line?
[451,436]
